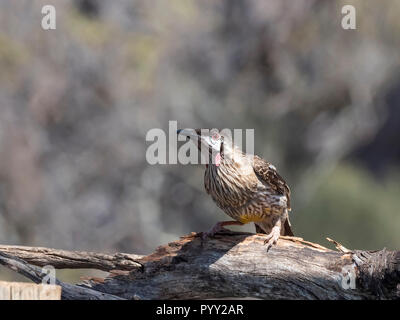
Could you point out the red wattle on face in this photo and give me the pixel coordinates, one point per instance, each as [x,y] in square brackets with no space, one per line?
[217,159]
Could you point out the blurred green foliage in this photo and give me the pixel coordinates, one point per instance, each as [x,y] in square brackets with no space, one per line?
[354,208]
[77,102]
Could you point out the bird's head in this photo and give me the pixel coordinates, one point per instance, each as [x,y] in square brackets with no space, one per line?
[212,143]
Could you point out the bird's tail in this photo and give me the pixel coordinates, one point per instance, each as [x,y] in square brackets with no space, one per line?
[287,228]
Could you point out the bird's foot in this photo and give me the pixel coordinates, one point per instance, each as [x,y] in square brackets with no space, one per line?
[210,233]
[272,237]
[218,227]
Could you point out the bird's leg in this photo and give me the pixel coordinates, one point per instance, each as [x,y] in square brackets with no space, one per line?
[274,235]
[219,226]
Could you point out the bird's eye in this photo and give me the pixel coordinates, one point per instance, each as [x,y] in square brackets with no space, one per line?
[214,137]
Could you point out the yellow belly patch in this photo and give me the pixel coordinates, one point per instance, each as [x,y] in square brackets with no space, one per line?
[249,218]
[246,218]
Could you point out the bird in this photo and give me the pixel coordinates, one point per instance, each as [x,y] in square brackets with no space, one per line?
[245,186]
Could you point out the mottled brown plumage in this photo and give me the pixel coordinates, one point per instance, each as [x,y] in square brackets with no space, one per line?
[245,187]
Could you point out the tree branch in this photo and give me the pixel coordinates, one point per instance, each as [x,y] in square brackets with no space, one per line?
[63,259]
[234,265]
[69,291]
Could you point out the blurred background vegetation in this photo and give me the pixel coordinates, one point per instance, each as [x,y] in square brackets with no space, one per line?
[77,102]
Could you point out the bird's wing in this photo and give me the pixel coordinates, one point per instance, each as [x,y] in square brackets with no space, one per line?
[268,174]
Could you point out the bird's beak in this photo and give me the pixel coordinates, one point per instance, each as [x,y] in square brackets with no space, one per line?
[190,133]
[196,137]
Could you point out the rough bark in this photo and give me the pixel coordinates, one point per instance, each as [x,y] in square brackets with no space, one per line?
[63,259]
[28,291]
[232,265]
[68,291]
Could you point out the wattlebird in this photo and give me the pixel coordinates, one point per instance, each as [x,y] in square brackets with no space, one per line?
[246,187]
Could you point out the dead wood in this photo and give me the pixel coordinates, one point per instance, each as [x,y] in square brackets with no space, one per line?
[231,264]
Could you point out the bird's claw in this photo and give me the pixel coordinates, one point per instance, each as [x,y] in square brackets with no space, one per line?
[210,233]
[272,238]
[205,235]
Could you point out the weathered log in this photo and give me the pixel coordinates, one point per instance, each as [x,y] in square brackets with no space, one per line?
[68,291]
[238,265]
[63,259]
[28,291]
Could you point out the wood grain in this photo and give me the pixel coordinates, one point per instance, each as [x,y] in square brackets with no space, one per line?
[234,264]
[28,291]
